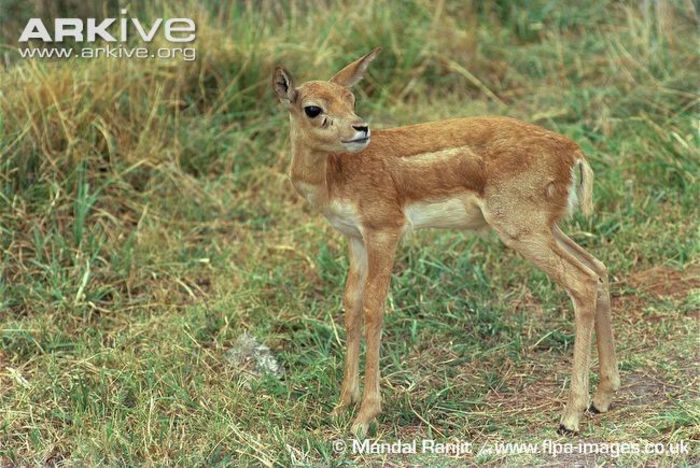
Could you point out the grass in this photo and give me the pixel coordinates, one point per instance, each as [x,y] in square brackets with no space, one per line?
[146,221]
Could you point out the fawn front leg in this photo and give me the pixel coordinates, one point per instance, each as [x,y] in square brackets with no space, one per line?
[352,303]
[381,247]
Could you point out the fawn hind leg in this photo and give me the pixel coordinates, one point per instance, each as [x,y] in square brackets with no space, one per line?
[609,375]
[581,283]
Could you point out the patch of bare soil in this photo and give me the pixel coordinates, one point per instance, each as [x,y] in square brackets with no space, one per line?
[663,281]
[641,389]
[576,460]
[638,389]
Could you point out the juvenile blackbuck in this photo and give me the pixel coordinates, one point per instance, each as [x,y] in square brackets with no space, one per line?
[475,173]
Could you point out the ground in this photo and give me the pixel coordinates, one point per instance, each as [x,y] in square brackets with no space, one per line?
[147,221]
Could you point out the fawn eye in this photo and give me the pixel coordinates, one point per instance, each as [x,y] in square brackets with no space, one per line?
[312,111]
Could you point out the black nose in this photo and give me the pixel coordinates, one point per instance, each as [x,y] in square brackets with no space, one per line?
[361,128]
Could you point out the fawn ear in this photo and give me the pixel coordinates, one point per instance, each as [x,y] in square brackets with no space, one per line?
[283,84]
[353,73]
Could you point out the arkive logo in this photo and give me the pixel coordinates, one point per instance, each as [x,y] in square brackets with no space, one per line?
[89,30]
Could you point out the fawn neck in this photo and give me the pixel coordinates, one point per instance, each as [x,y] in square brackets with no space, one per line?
[308,171]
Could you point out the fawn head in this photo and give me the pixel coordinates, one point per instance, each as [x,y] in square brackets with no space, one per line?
[323,112]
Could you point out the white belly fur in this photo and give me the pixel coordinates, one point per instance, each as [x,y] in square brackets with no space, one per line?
[458,212]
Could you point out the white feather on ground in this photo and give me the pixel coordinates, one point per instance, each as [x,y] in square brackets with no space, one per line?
[252,359]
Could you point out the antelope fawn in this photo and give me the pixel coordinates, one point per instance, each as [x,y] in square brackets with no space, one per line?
[468,173]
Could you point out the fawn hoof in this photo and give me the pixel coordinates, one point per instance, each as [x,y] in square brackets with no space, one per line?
[360,429]
[369,410]
[604,395]
[600,404]
[565,431]
[347,399]
[361,426]
[340,409]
